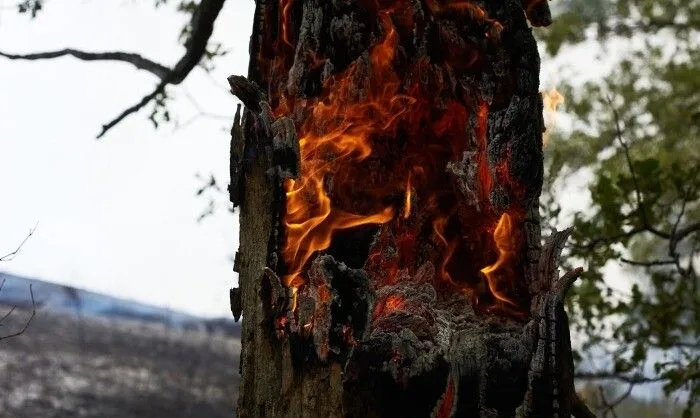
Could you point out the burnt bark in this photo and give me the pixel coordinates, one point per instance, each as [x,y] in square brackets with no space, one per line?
[398,316]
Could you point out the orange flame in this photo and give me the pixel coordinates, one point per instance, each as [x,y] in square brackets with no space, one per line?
[407,202]
[505,244]
[285,6]
[341,132]
[551,100]
[335,135]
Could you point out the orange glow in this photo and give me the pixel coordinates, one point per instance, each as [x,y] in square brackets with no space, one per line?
[407,202]
[445,407]
[294,297]
[439,225]
[485,178]
[336,135]
[503,237]
[393,302]
[285,6]
[465,7]
[387,305]
[438,228]
[551,100]
[374,145]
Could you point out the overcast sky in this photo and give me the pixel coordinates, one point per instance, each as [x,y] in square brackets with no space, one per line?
[116,215]
[119,215]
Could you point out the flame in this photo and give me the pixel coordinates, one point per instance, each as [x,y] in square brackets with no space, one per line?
[407,201]
[439,225]
[505,244]
[368,114]
[551,100]
[337,134]
[285,6]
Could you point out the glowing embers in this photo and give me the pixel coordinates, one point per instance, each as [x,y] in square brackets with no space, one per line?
[374,148]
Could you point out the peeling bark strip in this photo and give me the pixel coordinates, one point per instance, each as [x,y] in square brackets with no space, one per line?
[388,166]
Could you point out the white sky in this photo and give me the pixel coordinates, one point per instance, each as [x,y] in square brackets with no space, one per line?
[116,215]
[119,215]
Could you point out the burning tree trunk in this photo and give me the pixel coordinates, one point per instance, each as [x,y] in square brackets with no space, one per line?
[388,166]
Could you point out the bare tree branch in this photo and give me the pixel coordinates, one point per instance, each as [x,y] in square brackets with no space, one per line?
[2,320]
[610,406]
[136,60]
[11,255]
[608,240]
[648,263]
[160,88]
[635,379]
[201,27]
[684,232]
[29,321]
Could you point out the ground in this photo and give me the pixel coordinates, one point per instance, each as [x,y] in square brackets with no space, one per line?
[119,369]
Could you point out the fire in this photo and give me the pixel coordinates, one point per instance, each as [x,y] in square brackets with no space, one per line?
[551,100]
[337,134]
[285,6]
[374,145]
[407,202]
[503,237]
[387,305]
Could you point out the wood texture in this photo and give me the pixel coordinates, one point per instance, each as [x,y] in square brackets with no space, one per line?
[441,354]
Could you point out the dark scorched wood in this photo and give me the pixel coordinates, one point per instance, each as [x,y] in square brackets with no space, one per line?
[435,356]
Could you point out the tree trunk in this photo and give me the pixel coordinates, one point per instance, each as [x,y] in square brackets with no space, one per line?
[388,166]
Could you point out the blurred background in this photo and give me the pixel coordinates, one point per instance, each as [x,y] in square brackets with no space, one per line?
[127,240]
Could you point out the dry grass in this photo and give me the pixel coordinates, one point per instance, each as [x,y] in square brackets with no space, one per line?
[115,369]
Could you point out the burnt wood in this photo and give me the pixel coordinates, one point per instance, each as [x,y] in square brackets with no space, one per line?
[341,345]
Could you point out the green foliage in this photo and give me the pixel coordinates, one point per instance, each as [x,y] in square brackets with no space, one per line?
[637,132]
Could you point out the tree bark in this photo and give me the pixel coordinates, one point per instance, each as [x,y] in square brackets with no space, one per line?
[433,295]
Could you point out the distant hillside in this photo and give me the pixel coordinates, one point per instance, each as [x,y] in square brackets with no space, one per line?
[100,367]
[88,354]
[56,298]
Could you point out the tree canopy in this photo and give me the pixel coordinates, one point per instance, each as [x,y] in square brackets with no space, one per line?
[635,133]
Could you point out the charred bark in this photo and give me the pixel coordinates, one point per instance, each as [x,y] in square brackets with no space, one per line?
[422,290]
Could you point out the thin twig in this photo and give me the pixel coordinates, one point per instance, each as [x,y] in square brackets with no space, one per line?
[636,379]
[607,240]
[29,321]
[11,255]
[610,406]
[630,165]
[160,88]
[647,263]
[579,409]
